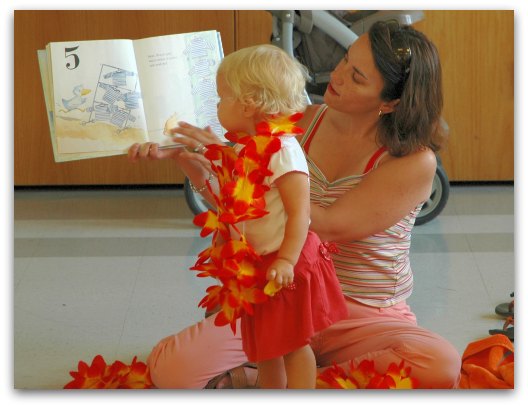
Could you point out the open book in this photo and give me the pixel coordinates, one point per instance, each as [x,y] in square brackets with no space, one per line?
[103,96]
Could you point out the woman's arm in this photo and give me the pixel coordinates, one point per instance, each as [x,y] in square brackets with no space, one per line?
[295,194]
[384,197]
[195,166]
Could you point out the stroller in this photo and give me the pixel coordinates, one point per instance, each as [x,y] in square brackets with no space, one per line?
[319,39]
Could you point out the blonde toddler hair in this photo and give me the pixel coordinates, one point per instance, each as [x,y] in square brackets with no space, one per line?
[268,77]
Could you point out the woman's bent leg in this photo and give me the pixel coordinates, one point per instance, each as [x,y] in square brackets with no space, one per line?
[389,336]
[192,357]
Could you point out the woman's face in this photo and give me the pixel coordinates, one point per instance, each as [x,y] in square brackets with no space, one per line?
[355,84]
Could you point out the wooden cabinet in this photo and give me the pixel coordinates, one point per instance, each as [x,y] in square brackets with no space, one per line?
[476,51]
[252,27]
[476,48]
[33,160]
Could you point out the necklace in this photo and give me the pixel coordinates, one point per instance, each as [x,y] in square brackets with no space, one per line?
[233,261]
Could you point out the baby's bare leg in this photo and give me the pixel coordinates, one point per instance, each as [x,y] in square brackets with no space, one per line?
[300,368]
[271,374]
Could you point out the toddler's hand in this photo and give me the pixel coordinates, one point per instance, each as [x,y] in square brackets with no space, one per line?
[280,271]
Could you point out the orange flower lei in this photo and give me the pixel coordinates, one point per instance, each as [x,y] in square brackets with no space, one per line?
[240,198]
[118,375]
[364,376]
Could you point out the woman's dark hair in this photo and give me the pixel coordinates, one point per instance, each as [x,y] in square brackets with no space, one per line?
[410,66]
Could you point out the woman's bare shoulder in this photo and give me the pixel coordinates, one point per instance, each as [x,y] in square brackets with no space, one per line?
[419,166]
[423,157]
[308,115]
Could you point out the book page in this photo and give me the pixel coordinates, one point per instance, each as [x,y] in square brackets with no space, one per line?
[44,76]
[42,56]
[97,99]
[178,75]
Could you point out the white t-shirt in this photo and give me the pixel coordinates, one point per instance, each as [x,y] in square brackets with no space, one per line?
[265,234]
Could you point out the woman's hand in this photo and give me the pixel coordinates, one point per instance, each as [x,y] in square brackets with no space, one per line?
[186,135]
[193,137]
[152,151]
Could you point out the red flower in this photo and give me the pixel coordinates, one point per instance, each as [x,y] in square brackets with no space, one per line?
[116,376]
[283,124]
[400,376]
[364,376]
[208,222]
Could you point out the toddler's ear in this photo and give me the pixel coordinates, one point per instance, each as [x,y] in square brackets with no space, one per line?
[250,108]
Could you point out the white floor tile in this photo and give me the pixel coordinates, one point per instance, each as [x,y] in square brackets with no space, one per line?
[498,274]
[64,310]
[165,301]
[450,297]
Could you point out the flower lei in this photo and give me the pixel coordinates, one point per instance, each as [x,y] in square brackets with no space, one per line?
[364,376]
[233,262]
[118,375]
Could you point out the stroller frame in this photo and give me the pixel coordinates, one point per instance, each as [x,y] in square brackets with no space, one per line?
[293,30]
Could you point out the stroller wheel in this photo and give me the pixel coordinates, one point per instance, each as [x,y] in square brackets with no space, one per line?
[194,200]
[438,198]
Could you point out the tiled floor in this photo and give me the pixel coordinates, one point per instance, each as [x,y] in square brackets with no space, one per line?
[106,272]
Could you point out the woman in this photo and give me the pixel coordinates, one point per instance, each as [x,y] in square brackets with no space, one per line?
[371,155]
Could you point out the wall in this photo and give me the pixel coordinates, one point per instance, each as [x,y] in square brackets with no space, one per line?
[476,48]
[33,160]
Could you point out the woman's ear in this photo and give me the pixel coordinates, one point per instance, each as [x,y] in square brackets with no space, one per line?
[388,107]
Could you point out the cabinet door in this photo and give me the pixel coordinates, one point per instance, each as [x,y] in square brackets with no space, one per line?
[476,51]
[33,159]
[253,27]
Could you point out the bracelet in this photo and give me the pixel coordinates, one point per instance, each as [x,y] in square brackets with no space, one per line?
[202,188]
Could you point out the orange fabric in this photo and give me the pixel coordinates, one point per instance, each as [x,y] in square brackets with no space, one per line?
[488,364]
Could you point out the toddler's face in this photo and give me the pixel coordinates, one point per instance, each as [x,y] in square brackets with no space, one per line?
[232,113]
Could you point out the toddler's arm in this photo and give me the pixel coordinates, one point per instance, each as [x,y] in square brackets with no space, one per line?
[295,194]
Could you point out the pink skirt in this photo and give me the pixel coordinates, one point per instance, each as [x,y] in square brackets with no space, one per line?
[288,320]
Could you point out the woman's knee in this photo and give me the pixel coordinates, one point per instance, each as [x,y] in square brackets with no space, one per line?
[169,365]
[436,362]
[189,359]
[447,364]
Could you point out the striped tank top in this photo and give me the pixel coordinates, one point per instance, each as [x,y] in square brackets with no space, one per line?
[375,270]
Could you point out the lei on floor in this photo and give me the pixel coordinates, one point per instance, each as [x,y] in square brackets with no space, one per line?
[100,375]
[118,375]
[364,376]
[241,189]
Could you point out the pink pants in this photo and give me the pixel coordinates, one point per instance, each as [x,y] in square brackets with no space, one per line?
[192,357]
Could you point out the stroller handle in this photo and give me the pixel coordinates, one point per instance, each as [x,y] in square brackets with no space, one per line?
[334,28]
[322,19]
[342,31]
[283,36]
